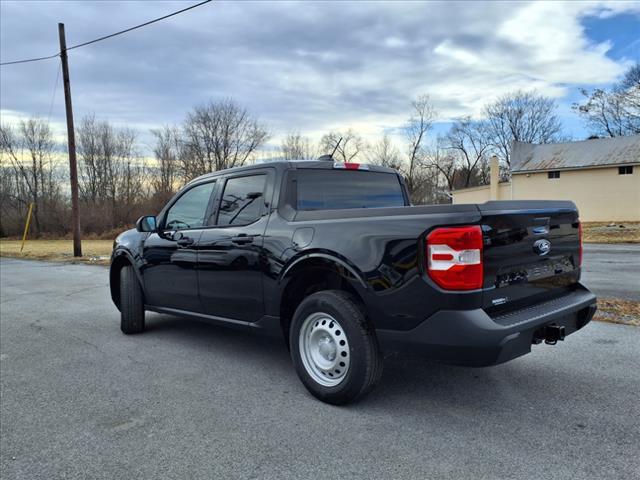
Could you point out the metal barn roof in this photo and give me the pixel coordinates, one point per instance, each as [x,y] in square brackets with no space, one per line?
[527,157]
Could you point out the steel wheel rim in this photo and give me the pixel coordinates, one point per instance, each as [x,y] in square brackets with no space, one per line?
[324,349]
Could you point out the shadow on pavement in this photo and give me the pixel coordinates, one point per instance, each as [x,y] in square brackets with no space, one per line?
[409,382]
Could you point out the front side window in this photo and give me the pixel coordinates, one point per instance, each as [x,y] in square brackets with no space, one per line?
[241,202]
[190,209]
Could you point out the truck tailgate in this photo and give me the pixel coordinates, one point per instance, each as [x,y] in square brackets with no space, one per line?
[531,251]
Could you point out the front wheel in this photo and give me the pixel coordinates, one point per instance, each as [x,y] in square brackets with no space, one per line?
[131,302]
[334,348]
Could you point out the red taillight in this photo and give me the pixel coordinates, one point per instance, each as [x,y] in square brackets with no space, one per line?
[454,257]
[580,248]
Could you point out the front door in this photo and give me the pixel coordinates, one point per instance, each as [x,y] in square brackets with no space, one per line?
[230,253]
[170,255]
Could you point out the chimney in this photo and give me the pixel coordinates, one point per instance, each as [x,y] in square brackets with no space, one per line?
[494,173]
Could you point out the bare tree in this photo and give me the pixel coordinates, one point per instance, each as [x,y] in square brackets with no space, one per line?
[219,135]
[523,117]
[630,85]
[385,153]
[469,140]
[28,153]
[9,203]
[348,145]
[445,163]
[420,122]
[297,147]
[129,174]
[615,112]
[90,137]
[112,176]
[167,151]
[427,186]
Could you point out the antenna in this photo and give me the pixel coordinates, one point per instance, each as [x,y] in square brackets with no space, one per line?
[329,157]
[336,147]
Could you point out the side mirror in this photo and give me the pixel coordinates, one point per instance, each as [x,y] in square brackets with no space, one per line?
[146,224]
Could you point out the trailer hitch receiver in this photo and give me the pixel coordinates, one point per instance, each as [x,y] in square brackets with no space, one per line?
[553,334]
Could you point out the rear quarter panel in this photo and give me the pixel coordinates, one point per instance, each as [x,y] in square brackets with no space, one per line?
[383,247]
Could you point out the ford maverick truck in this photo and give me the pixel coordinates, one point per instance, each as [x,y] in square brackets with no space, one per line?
[333,257]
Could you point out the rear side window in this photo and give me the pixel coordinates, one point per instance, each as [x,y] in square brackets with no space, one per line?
[242,200]
[340,189]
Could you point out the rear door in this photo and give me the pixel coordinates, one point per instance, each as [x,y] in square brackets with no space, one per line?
[531,251]
[230,253]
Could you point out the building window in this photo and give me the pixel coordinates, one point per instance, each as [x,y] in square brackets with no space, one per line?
[626,170]
[555,174]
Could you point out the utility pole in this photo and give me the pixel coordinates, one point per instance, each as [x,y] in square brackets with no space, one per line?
[71,138]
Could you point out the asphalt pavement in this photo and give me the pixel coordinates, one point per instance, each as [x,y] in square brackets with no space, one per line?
[184,400]
[612,270]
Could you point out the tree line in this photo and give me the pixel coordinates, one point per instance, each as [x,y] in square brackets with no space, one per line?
[118,182]
[458,158]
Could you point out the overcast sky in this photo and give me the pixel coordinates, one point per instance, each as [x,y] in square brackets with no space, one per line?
[311,67]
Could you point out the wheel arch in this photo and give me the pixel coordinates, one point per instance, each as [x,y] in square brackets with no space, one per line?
[314,272]
[121,258]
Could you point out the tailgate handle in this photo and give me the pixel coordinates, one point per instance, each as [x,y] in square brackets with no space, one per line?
[541,225]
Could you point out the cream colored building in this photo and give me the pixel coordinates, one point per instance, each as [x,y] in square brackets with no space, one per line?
[601,176]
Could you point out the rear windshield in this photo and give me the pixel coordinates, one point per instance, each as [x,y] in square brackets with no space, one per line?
[341,189]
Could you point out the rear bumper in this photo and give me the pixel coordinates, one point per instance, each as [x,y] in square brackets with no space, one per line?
[472,337]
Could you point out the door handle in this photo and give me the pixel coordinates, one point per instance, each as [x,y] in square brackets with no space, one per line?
[185,241]
[242,239]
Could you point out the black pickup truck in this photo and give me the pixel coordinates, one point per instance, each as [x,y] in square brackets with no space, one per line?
[333,257]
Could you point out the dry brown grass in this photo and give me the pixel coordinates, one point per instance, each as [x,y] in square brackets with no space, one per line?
[601,232]
[94,251]
[615,310]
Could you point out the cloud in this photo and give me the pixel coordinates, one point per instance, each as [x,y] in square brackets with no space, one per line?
[299,65]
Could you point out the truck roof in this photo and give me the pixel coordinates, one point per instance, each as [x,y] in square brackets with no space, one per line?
[291,165]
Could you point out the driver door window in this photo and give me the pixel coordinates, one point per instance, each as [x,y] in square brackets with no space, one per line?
[190,209]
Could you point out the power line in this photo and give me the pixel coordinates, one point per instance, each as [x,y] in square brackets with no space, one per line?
[138,26]
[109,36]
[31,60]
[53,95]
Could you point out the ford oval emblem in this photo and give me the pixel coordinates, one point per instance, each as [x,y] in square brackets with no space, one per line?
[542,247]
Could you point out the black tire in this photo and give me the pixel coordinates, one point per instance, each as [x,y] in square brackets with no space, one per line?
[365,367]
[131,302]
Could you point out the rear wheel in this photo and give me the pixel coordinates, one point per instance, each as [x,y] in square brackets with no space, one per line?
[333,347]
[131,302]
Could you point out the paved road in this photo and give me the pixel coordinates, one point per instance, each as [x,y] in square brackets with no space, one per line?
[612,270]
[187,400]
